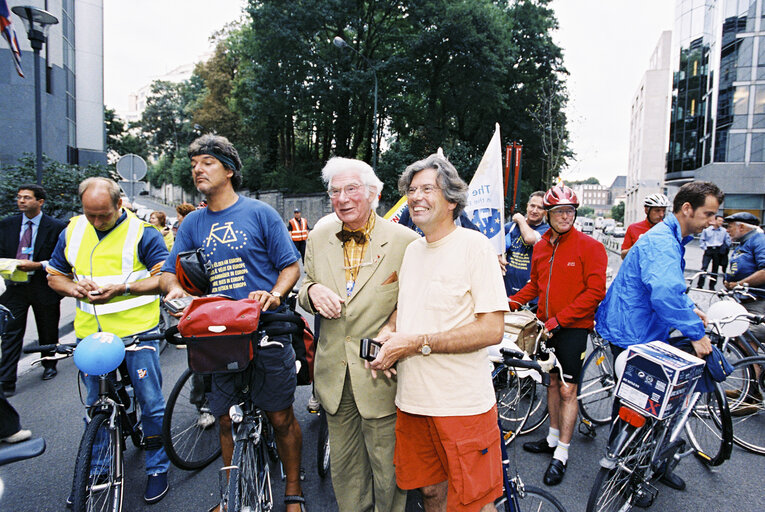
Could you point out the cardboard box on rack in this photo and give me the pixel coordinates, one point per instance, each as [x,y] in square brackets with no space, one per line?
[659,378]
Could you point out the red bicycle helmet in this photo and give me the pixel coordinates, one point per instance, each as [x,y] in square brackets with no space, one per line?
[192,268]
[560,195]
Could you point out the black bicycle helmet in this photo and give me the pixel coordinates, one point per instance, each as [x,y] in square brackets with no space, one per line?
[192,268]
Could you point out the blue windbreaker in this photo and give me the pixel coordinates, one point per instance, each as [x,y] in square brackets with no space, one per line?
[647,299]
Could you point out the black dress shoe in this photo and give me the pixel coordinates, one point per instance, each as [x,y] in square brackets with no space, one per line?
[9,388]
[49,373]
[540,446]
[673,481]
[555,472]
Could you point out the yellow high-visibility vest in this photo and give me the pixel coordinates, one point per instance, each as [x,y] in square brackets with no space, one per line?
[111,260]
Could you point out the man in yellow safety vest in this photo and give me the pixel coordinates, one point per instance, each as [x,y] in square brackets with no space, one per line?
[298,228]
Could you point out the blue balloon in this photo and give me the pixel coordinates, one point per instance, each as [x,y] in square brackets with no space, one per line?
[99,353]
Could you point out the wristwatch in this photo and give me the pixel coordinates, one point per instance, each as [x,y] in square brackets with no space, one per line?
[277,295]
[425,348]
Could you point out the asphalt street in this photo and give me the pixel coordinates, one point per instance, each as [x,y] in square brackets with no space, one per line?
[53,410]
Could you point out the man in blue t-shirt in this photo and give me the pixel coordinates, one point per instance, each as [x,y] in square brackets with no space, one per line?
[747,264]
[252,256]
[520,236]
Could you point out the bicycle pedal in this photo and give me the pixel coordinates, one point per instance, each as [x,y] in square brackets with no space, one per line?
[587,429]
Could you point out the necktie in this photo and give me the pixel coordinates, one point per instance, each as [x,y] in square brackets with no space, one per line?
[346,235]
[26,241]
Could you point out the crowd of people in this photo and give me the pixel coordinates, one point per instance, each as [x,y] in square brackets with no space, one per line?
[422,414]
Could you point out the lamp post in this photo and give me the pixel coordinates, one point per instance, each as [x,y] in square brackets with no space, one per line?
[37,23]
[340,43]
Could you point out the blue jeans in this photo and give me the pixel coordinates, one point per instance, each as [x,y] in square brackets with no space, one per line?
[145,373]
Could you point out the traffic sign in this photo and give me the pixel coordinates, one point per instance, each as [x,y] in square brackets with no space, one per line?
[131,168]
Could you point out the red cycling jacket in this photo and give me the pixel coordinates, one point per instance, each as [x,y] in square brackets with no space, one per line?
[569,277]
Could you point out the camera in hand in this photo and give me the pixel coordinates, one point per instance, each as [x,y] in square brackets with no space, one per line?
[369,348]
[178,305]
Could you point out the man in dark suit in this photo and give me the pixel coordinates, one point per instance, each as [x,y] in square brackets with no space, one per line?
[30,237]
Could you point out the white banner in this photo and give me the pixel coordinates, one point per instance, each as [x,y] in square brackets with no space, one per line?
[486,202]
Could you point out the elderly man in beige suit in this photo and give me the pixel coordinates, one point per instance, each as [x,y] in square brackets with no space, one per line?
[351,266]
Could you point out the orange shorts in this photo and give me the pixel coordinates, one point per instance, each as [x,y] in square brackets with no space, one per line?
[464,450]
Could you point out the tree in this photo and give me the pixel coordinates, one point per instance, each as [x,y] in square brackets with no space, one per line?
[166,121]
[59,180]
[585,211]
[120,141]
[617,212]
[588,181]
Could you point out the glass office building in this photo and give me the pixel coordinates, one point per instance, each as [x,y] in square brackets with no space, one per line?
[717,120]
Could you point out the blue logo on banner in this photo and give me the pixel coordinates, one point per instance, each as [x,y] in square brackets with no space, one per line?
[488,221]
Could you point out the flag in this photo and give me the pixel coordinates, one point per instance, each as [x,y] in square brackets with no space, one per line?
[486,204]
[394,214]
[10,35]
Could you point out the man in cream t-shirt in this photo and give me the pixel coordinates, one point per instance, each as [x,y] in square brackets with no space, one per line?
[451,306]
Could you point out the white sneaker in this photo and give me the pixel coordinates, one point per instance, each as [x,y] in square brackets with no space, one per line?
[21,435]
[205,420]
[313,405]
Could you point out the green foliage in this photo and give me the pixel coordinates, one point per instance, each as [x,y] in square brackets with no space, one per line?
[119,139]
[59,180]
[588,181]
[617,212]
[447,71]
[586,211]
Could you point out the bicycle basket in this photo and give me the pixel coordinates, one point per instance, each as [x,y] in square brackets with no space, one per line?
[219,333]
[523,325]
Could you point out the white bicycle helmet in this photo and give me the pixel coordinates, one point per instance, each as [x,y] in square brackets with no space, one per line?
[656,201]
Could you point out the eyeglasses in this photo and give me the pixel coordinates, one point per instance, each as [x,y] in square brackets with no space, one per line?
[561,212]
[350,190]
[425,189]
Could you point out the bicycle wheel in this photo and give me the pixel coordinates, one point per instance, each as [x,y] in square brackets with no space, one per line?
[189,431]
[515,397]
[532,499]
[597,386]
[98,472]
[249,479]
[538,412]
[615,487]
[744,389]
[709,428]
[322,447]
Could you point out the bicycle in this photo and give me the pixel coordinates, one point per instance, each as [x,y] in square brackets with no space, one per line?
[517,496]
[521,409]
[190,433]
[597,384]
[643,448]
[99,469]
[322,445]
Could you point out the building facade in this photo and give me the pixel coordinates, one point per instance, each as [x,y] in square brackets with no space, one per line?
[72,85]
[648,132]
[597,197]
[717,119]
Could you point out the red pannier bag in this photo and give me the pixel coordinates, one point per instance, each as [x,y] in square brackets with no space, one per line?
[220,333]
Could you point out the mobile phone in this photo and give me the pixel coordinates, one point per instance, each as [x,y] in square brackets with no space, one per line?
[178,305]
[369,348]
[95,292]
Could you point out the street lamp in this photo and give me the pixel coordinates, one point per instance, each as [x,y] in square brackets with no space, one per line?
[37,23]
[340,43]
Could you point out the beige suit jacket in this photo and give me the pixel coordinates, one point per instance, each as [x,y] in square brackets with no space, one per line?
[363,313]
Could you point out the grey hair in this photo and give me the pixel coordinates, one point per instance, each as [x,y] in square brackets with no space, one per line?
[452,186]
[538,193]
[337,164]
[111,186]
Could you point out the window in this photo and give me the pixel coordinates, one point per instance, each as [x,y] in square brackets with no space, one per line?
[736,147]
[758,152]
[741,100]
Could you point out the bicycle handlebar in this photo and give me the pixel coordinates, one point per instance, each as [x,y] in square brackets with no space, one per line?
[62,348]
[513,358]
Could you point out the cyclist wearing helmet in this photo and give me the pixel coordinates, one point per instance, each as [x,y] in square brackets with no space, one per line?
[568,274]
[655,209]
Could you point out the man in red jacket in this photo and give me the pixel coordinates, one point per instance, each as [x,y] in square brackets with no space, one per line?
[568,274]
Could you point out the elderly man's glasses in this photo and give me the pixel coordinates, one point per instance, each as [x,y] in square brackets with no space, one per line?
[425,189]
[350,190]
[562,212]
